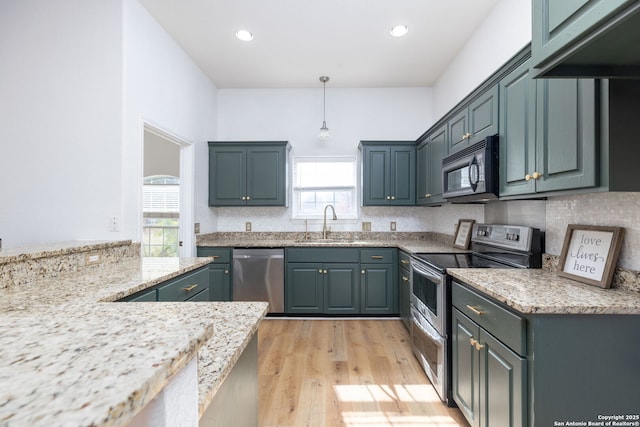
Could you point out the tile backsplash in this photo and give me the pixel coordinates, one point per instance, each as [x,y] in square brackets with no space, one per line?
[610,209]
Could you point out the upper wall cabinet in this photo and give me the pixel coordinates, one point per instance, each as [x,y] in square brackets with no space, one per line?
[586,38]
[475,121]
[548,139]
[431,151]
[388,173]
[248,173]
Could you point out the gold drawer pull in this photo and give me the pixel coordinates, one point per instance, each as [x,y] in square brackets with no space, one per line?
[475,310]
[405,279]
[404,261]
[190,288]
[476,344]
[377,257]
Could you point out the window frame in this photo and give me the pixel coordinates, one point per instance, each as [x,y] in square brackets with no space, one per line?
[296,190]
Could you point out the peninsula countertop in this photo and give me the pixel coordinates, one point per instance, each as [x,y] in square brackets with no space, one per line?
[69,355]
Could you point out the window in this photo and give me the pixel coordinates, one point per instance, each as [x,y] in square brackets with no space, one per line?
[321,181]
[161,211]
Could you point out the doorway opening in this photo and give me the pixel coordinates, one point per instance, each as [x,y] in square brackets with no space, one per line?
[165,195]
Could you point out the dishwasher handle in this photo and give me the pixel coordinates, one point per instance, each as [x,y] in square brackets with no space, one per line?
[241,256]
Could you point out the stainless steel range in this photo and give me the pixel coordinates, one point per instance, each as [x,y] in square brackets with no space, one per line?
[492,246]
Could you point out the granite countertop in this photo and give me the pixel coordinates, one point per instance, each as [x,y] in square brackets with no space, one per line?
[537,291]
[69,355]
[22,253]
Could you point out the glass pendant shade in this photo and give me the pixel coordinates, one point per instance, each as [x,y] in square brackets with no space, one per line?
[324,130]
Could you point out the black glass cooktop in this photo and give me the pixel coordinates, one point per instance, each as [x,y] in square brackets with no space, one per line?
[467,260]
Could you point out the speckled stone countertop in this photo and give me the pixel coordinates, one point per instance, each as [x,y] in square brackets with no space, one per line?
[70,356]
[52,249]
[544,292]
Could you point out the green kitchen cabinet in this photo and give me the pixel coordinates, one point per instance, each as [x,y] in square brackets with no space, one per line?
[431,150]
[248,173]
[147,295]
[548,138]
[586,38]
[378,284]
[388,173]
[322,280]
[404,285]
[185,286]
[475,121]
[323,288]
[220,272]
[489,379]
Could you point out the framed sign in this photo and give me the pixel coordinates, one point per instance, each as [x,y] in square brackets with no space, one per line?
[589,253]
[463,233]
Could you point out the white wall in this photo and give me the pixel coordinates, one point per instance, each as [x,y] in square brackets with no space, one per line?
[505,31]
[60,119]
[164,87]
[295,115]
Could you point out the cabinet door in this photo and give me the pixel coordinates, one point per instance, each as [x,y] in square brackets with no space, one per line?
[437,152]
[266,176]
[566,134]
[304,288]
[404,296]
[559,25]
[458,129]
[465,378]
[341,288]
[376,289]
[376,180]
[422,174]
[403,176]
[483,116]
[517,132]
[503,379]
[220,281]
[227,172]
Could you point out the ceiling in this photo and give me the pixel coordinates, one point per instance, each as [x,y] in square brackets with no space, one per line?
[297,41]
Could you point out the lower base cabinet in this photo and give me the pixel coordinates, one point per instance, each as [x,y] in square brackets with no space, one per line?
[489,380]
[220,273]
[335,281]
[404,291]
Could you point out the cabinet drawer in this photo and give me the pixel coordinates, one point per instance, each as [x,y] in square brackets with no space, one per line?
[377,256]
[220,255]
[404,259]
[506,326]
[183,288]
[148,295]
[322,254]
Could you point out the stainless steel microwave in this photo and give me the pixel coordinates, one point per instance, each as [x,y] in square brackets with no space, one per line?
[471,175]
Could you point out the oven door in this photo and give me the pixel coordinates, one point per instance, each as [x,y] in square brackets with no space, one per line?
[431,351]
[427,294]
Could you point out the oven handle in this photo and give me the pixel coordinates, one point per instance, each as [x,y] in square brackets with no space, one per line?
[425,271]
[426,328]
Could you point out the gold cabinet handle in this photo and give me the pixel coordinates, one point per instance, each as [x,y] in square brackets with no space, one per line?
[393,197]
[377,257]
[190,288]
[536,175]
[325,272]
[405,279]
[427,195]
[476,344]
[475,310]
[472,341]
[226,272]
[404,261]
[362,271]
[320,271]
[527,177]
[388,197]
[248,198]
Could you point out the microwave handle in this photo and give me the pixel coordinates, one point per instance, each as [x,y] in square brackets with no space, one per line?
[474,173]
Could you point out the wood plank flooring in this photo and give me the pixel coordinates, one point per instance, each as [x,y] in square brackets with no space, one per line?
[339,372]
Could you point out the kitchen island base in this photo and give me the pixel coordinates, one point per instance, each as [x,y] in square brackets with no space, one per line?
[236,402]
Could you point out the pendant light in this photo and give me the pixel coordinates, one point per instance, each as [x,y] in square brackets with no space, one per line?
[324,130]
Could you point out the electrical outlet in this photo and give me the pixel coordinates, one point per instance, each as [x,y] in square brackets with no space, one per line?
[93,258]
[366,226]
[392,226]
[196,228]
[114,224]
[247,226]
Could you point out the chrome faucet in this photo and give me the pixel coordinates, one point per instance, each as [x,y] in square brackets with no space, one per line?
[324,224]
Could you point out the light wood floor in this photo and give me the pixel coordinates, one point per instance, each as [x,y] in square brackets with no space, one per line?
[352,373]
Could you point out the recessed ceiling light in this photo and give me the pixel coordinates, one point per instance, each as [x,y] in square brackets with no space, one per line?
[398,31]
[244,35]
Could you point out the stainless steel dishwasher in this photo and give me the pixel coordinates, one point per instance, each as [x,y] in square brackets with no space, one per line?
[258,275]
